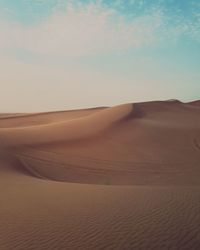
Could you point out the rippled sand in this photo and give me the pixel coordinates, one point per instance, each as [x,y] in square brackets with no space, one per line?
[126,177]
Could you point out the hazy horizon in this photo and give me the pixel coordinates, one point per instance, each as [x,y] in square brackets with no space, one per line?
[64,54]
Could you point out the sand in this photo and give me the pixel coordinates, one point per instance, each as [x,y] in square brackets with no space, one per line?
[125,177]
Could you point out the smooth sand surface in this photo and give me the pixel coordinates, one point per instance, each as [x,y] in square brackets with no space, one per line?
[125,177]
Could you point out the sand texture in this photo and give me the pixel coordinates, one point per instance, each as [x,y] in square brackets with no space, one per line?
[125,177]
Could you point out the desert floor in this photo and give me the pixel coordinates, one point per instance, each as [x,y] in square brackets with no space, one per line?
[126,177]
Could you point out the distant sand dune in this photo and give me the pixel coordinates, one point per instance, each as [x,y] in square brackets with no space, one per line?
[145,158]
[31,119]
[197,103]
[72,129]
[151,143]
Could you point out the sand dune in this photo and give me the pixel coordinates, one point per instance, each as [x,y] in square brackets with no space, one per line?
[72,129]
[30,119]
[144,143]
[145,156]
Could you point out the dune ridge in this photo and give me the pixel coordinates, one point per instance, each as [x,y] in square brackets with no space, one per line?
[71,129]
[150,143]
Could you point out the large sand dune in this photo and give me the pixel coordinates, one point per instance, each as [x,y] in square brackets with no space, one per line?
[145,156]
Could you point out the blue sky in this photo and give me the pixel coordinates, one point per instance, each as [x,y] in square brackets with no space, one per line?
[72,54]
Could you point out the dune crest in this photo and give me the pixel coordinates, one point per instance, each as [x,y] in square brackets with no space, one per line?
[150,143]
[65,130]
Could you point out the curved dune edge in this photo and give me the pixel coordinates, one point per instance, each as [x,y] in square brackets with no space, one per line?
[149,143]
[195,103]
[67,130]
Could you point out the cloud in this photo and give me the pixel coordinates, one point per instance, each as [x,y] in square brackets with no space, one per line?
[75,29]
[80,30]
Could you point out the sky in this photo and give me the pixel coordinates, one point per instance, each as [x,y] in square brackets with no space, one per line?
[69,54]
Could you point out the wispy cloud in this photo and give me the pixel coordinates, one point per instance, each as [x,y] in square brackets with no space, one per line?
[81,30]
[92,28]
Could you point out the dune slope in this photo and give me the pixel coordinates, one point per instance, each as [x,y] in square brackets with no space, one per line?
[145,156]
[156,143]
